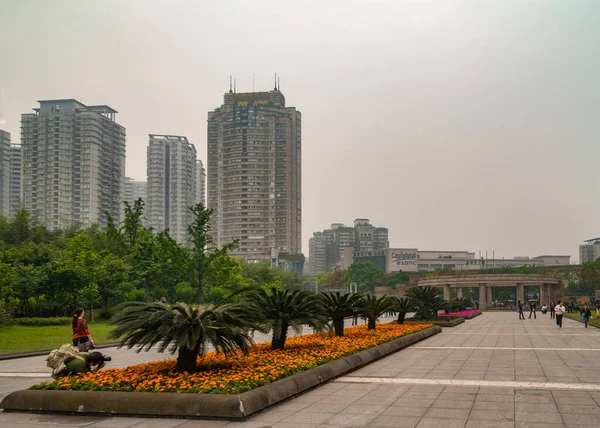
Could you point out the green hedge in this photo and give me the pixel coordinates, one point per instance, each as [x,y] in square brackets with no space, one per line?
[42,321]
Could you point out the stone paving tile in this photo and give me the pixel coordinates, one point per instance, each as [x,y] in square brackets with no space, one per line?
[405,411]
[308,417]
[493,415]
[448,413]
[493,405]
[325,407]
[446,423]
[395,422]
[346,420]
[490,424]
[448,404]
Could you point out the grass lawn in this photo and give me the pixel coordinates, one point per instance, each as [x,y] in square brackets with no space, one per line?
[20,338]
[593,321]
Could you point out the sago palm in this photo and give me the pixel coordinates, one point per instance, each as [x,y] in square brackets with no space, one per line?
[339,306]
[372,308]
[184,329]
[279,310]
[402,306]
[428,301]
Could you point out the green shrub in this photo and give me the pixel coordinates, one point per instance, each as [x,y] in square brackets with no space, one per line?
[42,321]
[6,316]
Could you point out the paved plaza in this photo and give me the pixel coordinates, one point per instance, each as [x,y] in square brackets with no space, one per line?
[492,371]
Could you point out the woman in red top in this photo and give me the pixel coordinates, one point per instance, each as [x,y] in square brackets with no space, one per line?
[82,337]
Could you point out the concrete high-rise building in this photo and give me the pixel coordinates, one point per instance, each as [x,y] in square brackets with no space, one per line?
[4,173]
[73,163]
[336,247]
[200,182]
[254,174]
[14,196]
[171,184]
[135,190]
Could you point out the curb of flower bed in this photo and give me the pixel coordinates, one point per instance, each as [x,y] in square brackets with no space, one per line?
[470,317]
[448,323]
[201,406]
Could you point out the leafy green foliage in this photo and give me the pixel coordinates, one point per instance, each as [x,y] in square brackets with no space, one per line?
[339,306]
[183,329]
[402,306]
[372,308]
[279,310]
[42,321]
[428,301]
[363,274]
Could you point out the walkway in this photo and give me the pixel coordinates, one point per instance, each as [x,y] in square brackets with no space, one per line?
[492,371]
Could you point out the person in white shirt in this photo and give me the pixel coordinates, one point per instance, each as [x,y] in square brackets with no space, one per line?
[560,311]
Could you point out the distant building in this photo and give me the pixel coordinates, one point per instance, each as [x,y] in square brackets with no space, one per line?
[73,158]
[589,251]
[200,182]
[14,197]
[135,190]
[413,260]
[254,174]
[171,188]
[339,246]
[4,173]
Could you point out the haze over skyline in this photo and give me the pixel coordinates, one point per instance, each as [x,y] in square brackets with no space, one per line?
[459,125]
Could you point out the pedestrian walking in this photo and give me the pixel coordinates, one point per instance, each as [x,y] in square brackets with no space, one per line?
[560,311]
[586,314]
[520,309]
[598,308]
[552,311]
[532,310]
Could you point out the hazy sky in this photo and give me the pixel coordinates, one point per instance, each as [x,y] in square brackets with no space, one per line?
[459,125]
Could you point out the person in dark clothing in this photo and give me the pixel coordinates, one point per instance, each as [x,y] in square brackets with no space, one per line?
[586,314]
[520,309]
[552,306]
[532,310]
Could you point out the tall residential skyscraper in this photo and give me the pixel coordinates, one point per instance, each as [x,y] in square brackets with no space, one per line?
[73,163]
[14,197]
[254,174]
[135,190]
[200,182]
[4,173]
[171,184]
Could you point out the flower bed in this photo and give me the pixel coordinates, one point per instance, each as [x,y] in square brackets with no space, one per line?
[463,314]
[237,373]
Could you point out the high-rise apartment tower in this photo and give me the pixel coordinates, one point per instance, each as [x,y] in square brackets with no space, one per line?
[14,196]
[4,173]
[73,163]
[254,174]
[200,182]
[171,184]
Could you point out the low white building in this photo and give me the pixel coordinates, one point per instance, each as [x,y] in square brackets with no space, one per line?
[413,260]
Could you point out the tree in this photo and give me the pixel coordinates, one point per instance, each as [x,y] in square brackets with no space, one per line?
[203,254]
[363,274]
[279,310]
[428,301]
[404,305]
[391,280]
[183,329]
[339,306]
[372,308]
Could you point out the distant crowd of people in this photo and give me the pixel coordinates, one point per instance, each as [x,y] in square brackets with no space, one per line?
[557,311]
